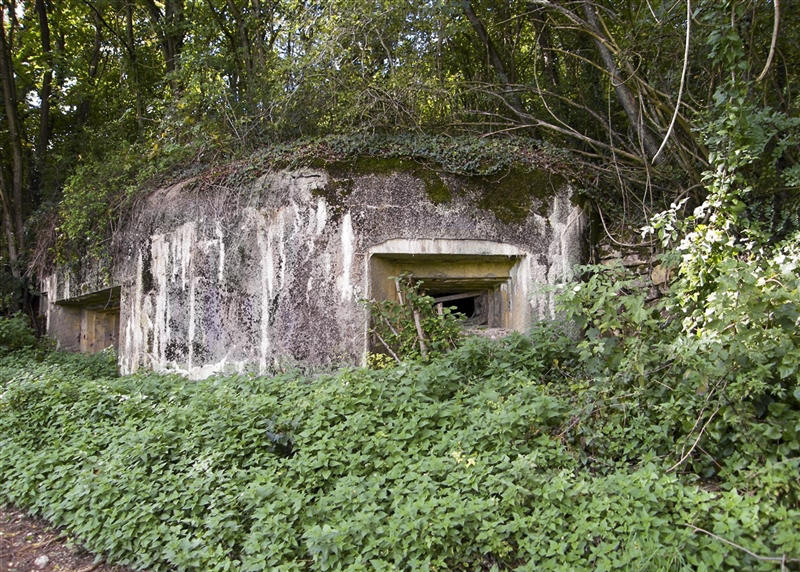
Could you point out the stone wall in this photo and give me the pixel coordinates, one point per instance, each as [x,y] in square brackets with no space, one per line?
[263,274]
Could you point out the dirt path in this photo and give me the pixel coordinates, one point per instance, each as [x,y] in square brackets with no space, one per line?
[31,544]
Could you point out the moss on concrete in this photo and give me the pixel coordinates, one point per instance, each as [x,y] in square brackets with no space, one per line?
[438,192]
[342,171]
[335,194]
[510,196]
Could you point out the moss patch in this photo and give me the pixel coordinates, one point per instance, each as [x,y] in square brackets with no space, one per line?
[336,192]
[342,174]
[510,196]
[438,192]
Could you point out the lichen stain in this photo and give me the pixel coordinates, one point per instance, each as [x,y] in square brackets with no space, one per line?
[267,278]
[221,263]
[322,215]
[160,256]
[347,243]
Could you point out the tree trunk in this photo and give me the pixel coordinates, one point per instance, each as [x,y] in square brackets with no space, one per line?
[94,65]
[238,72]
[131,41]
[494,58]
[15,135]
[545,42]
[258,36]
[169,27]
[44,96]
[624,94]
[244,38]
[8,226]
[173,14]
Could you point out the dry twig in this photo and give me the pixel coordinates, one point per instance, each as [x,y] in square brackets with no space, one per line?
[782,559]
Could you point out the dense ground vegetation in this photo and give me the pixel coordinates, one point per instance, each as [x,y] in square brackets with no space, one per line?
[666,438]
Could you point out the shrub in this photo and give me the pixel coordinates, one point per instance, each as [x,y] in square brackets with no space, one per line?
[16,332]
[411,328]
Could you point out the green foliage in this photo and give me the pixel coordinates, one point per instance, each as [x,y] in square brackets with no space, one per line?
[465,155]
[91,196]
[16,332]
[379,361]
[15,292]
[723,375]
[135,89]
[101,193]
[412,328]
[519,454]
[665,438]
[706,377]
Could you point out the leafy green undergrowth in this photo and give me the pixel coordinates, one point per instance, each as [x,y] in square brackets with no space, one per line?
[499,455]
[15,332]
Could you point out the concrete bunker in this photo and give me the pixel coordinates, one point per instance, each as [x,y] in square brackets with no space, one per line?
[257,275]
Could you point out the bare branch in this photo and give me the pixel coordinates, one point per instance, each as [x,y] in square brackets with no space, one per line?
[612,239]
[423,350]
[696,441]
[383,342]
[683,79]
[775,26]
[781,559]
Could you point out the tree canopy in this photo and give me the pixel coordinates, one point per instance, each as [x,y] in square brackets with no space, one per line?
[98,95]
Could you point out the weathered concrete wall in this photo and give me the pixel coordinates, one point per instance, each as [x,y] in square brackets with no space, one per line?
[251,277]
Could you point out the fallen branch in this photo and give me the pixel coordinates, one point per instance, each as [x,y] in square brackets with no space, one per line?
[94,566]
[423,350]
[389,324]
[382,341]
[683,79]
[696,441]
[782,559]
[775,26]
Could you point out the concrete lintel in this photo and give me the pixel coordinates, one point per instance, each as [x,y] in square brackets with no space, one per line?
[108,298]
[420,247]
